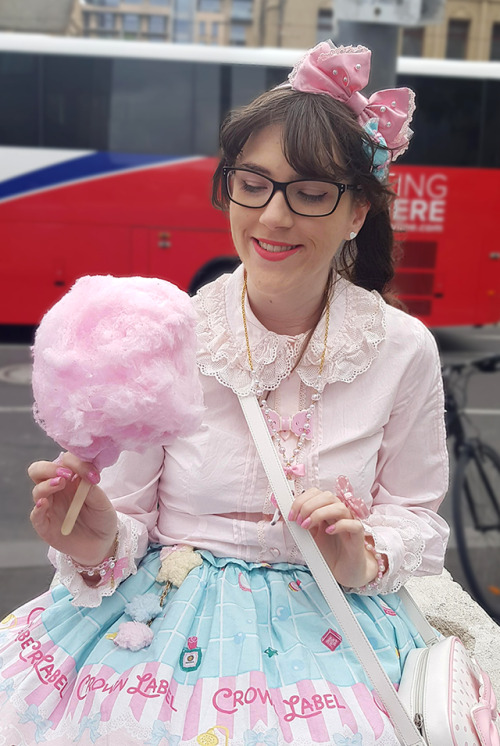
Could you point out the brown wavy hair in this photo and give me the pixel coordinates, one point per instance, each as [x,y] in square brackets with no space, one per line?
[322,139]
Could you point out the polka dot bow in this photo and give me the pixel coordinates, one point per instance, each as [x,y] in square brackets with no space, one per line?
[342,72]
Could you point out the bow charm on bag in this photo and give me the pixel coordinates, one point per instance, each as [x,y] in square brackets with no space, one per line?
[485,714]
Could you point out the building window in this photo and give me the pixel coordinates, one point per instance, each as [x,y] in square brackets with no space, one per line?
[184,8]
[131,23]
[157,25]
[87,21]
[238,34]
[202,31]
[242,10]
[215,32]
[106,21]
[324,27]
[182,30]
[458,35]
[495,42]
[104,3]
[413,41]
[209,6]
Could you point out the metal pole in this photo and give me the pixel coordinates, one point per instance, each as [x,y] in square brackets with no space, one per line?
[382,39]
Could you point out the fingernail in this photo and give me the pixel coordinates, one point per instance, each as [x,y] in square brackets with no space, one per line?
[306,523]
[93,477]
[330,529]
[56,481]
[291,515]
[39,503]
[63,472]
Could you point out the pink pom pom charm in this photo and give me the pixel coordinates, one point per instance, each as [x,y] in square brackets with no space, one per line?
[134,636]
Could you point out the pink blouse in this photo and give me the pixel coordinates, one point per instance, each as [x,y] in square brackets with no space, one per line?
[380,422]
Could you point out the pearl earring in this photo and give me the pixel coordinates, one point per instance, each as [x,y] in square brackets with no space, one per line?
[352,235]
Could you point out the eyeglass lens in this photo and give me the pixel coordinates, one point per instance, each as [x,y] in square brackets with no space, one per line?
[314,198]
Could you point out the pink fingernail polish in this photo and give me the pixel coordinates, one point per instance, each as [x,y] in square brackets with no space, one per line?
[63,472]
[291,515]
[306,523]
[39,503]
[330,529]
[56,481]
[93,477]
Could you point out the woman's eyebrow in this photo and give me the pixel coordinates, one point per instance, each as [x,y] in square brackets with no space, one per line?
[255,167]
[263,170]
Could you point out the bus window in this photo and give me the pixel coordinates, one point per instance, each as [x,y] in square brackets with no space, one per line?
[19,96]
[75,102]
[275,76]
[446,122]
[206,105]
[490,151]
[247,81]
[151,107]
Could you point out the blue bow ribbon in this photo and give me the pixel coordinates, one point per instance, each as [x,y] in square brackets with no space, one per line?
[381,155]
[92,724]
[355,740]
[7,686]
[33,716]
[269,738]
[161,732]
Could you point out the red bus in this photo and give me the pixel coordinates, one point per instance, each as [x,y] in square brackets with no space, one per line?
[107,150]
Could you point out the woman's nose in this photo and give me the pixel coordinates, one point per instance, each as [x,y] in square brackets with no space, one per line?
[277,214]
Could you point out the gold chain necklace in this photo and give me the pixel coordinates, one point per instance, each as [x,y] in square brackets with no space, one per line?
[302,424]
[244,316]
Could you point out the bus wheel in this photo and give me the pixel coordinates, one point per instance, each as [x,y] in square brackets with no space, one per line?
[211,270]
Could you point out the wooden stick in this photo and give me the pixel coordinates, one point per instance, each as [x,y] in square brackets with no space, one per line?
[75,507]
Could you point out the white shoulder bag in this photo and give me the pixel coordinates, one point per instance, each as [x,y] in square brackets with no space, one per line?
[444,698]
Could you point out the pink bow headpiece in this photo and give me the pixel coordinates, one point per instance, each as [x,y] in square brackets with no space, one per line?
[341,72]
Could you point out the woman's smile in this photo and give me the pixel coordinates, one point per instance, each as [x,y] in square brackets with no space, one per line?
[274,251]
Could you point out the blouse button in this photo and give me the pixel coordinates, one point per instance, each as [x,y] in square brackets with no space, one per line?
[275,551]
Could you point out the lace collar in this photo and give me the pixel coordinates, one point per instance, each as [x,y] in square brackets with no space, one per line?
[357,327]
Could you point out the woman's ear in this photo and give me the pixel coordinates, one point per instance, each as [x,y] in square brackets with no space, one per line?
[360,209]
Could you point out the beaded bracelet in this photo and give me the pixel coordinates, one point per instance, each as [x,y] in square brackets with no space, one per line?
[105,569]
[381,568]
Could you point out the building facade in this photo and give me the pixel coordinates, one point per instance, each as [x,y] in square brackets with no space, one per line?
[470,30]
[286,23]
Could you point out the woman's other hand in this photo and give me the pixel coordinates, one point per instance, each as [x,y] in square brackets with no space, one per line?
[56,482]
[340,536]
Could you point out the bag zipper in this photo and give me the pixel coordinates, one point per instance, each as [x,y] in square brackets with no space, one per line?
[418,717]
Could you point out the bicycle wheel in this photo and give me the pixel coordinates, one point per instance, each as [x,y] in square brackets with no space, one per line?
[476,517]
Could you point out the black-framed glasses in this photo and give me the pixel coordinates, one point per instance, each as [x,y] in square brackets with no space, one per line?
[311,198]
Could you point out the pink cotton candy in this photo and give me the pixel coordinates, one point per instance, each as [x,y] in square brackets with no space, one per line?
[114,367]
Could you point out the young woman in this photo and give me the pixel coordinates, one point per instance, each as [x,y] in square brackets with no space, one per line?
[244,650]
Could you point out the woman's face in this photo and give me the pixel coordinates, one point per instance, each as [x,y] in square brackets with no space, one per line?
[306,245]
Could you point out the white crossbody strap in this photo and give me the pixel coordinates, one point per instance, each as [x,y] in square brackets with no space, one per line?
[407,733]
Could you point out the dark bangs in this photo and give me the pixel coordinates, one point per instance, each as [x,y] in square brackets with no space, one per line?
[322,139]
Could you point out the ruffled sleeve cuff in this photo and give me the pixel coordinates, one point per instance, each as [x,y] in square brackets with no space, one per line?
[126,554]
[402,542]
